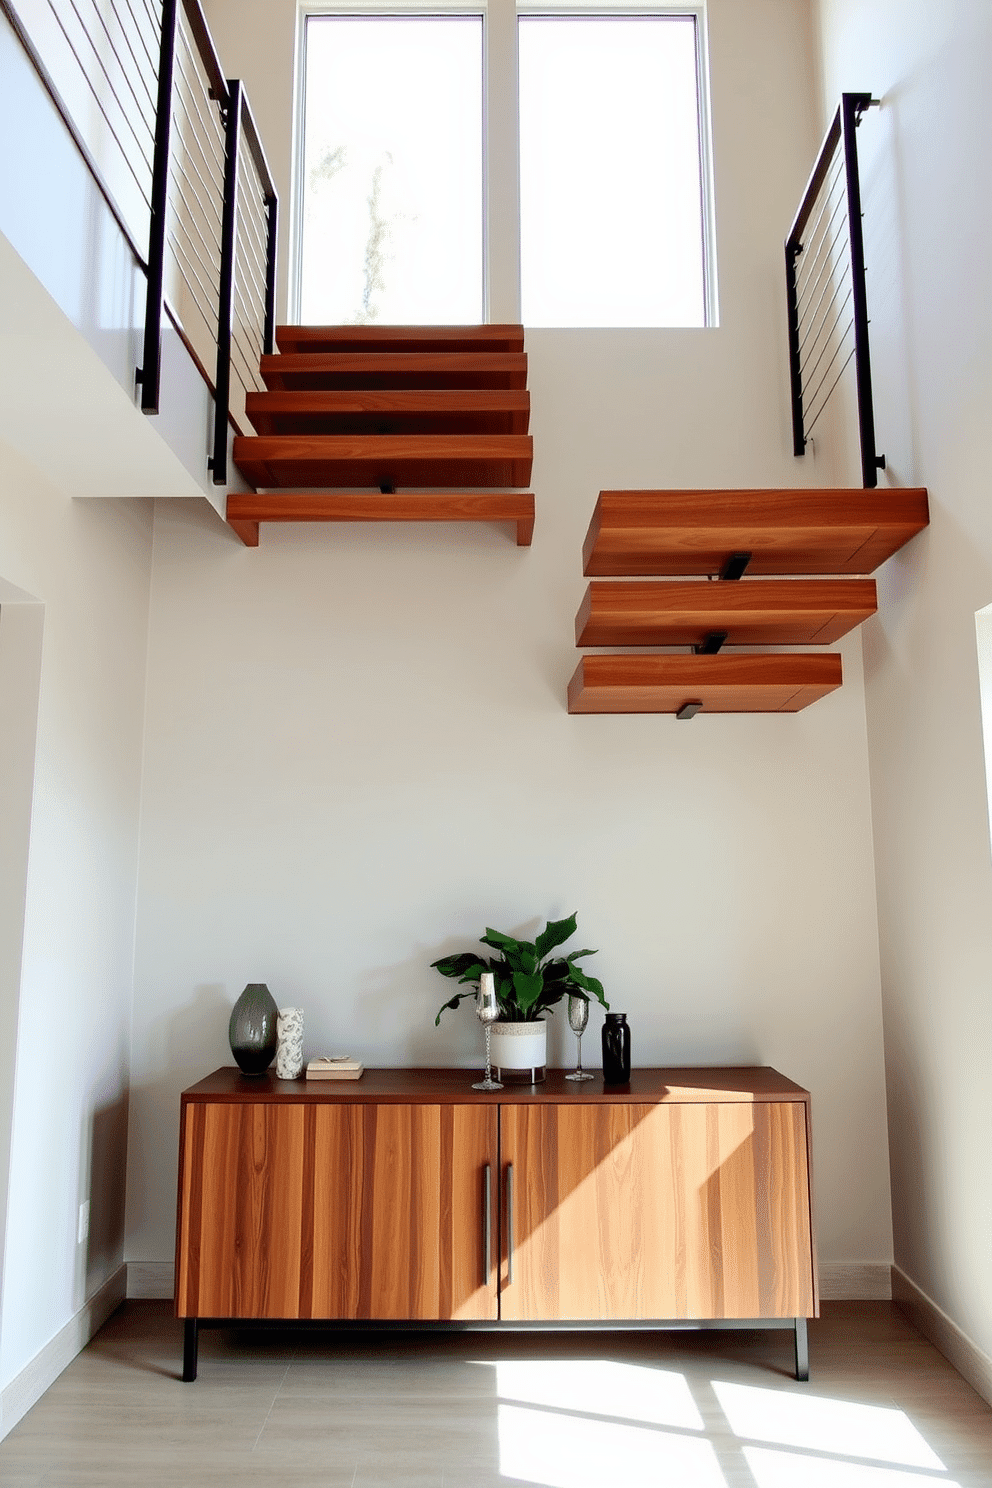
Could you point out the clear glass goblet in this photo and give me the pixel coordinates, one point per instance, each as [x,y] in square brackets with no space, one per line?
[578,1017]
[487,1011]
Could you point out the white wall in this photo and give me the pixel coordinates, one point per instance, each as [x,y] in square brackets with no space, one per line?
[358,753]
[929,220]
[88,564]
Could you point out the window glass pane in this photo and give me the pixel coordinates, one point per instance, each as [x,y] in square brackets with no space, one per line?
[610,180]
[392,170]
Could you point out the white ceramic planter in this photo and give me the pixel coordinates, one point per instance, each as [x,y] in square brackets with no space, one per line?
[519,1052]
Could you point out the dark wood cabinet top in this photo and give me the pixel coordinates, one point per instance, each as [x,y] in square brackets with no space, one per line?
[670,1086]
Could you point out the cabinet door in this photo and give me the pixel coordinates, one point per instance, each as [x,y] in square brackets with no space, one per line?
[337,1211]
[655,1211]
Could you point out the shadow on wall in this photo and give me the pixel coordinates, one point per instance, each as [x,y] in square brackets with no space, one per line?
[188,1044]
[105,1164]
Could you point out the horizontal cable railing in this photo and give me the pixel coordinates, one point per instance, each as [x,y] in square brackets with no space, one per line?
[248,267]
[99,62]
[196,192]
[174,150]
[825,288]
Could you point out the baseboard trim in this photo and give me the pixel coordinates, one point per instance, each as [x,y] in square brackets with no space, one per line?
[26,1388]
[971,1362]
[150,1280]
[850,1281]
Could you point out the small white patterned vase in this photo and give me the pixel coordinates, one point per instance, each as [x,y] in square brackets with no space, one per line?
[289,1049]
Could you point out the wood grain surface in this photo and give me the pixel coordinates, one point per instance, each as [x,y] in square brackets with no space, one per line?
[752,612]
[391,411]
[395,369]
[802,531]
[776,683]
[685,1211]
[666,1085]
[291,338]
[335,1211]
[393,459]
[246,509]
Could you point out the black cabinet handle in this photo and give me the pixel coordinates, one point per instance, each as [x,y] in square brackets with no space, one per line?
[509,1222]
[487,1225]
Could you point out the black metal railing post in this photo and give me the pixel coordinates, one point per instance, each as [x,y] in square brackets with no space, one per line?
[225,310]
[792,252]
[853,106]
[148,375]
[840,137]
[270,275]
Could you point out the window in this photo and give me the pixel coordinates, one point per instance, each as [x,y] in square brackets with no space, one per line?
[392,170]
[611,226]
[611,198]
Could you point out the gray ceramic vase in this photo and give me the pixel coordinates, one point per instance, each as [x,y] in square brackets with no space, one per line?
[253,1029]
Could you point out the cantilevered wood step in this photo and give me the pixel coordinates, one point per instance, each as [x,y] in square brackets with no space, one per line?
[752,612]
[391,411]
[395,369]
[246,510]
[400,338]
[782,683]
[786,531]
[385,459]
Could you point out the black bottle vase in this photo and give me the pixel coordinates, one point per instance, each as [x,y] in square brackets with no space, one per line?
[616,1049]
[253,1029]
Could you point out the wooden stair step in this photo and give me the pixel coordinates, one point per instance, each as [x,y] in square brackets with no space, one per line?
[753,612]
[245,510]
[391,411]
[782,683]
[385,459]
[395,369]
[846,531]
[293,338]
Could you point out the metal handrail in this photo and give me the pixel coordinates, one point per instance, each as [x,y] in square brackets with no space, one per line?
[162,192]
[841,139]
[241,131]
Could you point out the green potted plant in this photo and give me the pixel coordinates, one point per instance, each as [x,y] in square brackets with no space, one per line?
[529,981]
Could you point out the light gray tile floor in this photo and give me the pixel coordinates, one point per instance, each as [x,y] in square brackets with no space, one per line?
[883,1409]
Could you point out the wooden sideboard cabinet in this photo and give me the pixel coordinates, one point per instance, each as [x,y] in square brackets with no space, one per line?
[680,1199]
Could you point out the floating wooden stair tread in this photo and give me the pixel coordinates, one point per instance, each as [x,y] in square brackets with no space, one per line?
[246,510]
[395,369]
[385,459]
[783,683]
[400,338]
[391,411]
[752,612]
[786,531]
[389,408]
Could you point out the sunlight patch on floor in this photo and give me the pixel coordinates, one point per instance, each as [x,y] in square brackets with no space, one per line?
[571,1451]
[789,1469]
[602,1387]
[820,1425]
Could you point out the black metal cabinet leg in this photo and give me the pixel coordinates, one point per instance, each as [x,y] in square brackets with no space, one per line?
[802,1350]
[191,1338]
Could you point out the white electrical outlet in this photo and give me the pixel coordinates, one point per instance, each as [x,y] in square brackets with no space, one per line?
[84,1221]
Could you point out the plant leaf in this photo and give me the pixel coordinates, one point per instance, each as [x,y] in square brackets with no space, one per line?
[463,965]
[589,984]
[497,939]
[555,933]
[451,1003]
[528,988]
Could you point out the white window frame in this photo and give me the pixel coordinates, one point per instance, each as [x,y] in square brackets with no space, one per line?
[501,136]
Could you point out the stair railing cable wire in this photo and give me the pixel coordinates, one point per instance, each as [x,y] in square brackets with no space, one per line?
[174,150]
[214,216]
[825,288]
[246,325]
